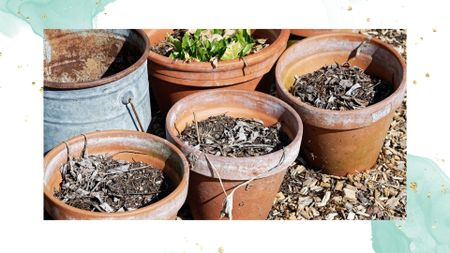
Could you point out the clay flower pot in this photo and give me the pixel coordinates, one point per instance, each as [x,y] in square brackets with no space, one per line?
[314,32]
[172,80]
[342,142]
[206,196]
[159,153]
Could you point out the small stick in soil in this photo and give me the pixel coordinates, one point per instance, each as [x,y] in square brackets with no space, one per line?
[196,128]
[84,152]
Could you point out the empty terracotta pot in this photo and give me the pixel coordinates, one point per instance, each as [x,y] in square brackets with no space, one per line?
[158,152]
[314,32]
[342,142]
[253,201]
[172,80]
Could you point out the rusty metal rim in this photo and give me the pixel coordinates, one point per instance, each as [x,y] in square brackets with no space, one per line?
[109,79]
[174,195]
[223,159]
[360,113]
[202,67]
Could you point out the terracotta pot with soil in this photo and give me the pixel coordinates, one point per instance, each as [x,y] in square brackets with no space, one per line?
[342,140]
[172,80]
[96,173]
[254,176]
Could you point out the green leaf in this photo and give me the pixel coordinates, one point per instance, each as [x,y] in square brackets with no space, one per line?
[212,45]
[197,33]
[232,52]
[186,42]
[247,49]
[176,42]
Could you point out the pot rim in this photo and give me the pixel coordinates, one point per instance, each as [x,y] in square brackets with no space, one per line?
[89,84]
[320,31]
[238,160]
[179,189]
[391,102]
[225,65]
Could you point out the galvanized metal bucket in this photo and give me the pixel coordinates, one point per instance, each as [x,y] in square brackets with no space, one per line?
[94,80]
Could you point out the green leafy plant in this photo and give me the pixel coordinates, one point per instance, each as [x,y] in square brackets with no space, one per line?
[209,45]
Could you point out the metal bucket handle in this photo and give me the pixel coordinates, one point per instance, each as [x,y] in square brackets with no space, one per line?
[127,99]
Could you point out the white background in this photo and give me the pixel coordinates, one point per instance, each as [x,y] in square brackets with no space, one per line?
[21,132]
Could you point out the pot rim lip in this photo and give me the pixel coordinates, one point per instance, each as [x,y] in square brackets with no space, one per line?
[222,65]
[178,191]
[391,99]
[315,32]
[225,159]
[90,84]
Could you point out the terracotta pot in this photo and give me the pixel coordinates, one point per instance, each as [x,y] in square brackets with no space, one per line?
[314,32]
[342,142]
[158,152]
[172,80]
[253,201]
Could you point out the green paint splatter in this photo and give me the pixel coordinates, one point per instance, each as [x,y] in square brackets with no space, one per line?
[427,226]
[41,14]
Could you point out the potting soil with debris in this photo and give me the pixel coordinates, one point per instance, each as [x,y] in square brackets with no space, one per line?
[102,184]
[340,87]
[233,137]
[379,193]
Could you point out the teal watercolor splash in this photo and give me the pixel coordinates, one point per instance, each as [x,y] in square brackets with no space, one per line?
[427,226]
[41,14]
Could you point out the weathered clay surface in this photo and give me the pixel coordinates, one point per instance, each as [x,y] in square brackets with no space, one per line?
[147,148]
[314,32]
[343,142]
[206,194]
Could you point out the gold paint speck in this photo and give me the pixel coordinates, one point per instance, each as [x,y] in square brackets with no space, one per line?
[427,75]
[221,249]
[349,8]
[434,30]
[368,19]
[429,195]
[413,186]
[414,82]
